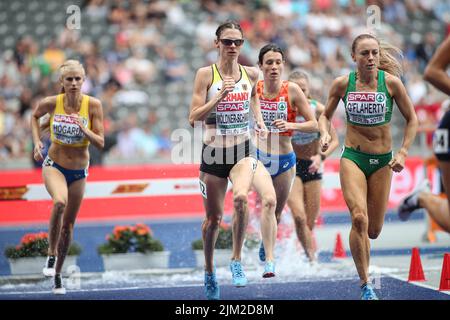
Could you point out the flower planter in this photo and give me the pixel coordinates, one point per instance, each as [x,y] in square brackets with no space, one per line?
[222,257]
[34,265]
[136,260]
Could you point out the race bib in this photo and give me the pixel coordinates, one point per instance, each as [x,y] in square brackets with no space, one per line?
[66,129]
[366,108]
[440,141]
[273,110]
[232,114]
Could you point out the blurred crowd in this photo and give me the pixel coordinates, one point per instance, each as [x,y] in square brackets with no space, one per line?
[144,78]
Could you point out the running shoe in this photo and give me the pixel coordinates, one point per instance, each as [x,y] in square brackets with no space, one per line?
[411,202]
[238,275]
[212,290]
[49,268]
[262,252]
[58,287]
[367,292]
[269,270]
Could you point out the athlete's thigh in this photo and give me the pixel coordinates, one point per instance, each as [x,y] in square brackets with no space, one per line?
[295,198]
[76,193]
[262,181]
[353,185]
[55,183]
[213,191]
[379,187]
[241,175]
[282,184]
[312,200]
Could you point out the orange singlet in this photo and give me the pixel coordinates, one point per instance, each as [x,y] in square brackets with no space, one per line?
[276,108]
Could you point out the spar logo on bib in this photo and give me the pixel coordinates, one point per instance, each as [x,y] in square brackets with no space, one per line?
[282,106]
[361,96]
[380,97]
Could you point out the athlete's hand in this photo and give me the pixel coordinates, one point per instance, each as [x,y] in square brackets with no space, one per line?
[228,84]
[79,121]
[282,124]
[397,163]
[261,130]
[325,142]
[315,165]
[37,152]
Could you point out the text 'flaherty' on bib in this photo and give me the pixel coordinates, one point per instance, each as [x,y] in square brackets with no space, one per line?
[366,108]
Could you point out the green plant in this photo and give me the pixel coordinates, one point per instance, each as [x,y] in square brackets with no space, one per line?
[36,245]
[138,238]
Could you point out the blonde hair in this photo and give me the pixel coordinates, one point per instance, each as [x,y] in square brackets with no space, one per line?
[388,53]
[298,74]
[70,65]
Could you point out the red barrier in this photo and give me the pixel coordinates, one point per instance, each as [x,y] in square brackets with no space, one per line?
[155,191]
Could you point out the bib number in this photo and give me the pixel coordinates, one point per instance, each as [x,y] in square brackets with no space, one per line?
[440,141]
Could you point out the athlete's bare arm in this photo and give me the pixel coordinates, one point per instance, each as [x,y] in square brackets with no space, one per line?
[299,102]
[334,142]
[436,70]
[199,107]
[253,74]
[95,135]
[46,105]
[337,91]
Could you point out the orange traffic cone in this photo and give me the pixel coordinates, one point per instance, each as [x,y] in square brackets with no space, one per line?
[445,274]
[339,251]
[415,268]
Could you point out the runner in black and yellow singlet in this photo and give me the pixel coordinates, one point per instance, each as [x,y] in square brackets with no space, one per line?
[367,160]
[76,120]
[223,94]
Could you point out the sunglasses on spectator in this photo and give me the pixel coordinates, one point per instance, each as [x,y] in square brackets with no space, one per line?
[229,42]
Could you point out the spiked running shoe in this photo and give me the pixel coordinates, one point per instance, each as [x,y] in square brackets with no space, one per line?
[58,287]
[49,268]
[367,292]
[212,290]
[262,252]
[238,275]
[269,270]
[411,202]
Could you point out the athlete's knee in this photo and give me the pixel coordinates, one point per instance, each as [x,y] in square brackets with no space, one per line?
[240,200]
[269,201]
[212,221]
[59,205]
[360,221]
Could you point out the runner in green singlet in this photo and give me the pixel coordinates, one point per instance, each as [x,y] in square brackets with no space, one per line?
[367,159]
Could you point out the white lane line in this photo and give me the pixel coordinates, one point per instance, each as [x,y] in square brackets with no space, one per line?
[419,284]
